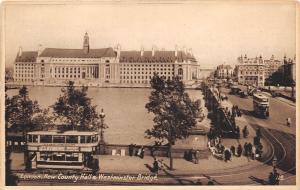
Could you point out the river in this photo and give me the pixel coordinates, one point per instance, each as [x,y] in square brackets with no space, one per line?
[125,110]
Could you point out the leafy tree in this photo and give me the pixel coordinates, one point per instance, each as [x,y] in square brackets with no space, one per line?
[174,112]
[24,114]
[74,108]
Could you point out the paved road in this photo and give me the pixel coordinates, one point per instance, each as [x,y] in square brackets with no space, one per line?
[283,137]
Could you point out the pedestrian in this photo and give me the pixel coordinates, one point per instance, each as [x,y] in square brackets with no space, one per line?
[258,133]
[239,150]
[134,150]
[227,155]
[130,149]
[238,132]
[155,166]
[142,152]
[232,149]
[245,132]
[246,149]
[139,151]
[250,147]
[288,122]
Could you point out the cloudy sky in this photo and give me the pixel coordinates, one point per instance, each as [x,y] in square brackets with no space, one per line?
[216,32]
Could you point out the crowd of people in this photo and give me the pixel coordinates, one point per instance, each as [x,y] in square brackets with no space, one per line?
[249,150]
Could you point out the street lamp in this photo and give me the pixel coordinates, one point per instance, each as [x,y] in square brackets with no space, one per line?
[102,116]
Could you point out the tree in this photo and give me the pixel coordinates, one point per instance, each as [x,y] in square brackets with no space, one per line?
[24,114]
[174,112]
[74,108]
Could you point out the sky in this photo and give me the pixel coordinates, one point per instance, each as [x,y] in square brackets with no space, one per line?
[217,32]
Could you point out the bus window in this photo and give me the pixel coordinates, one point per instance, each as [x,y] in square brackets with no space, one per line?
[29,138]
[58,139]
[46,156]
[71,157]
[46,139]
[72,139]
[59,156]
[82,139]
[94,138]
[88,139]
[34,138]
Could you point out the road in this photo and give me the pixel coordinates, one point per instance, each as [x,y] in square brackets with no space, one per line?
[283,138]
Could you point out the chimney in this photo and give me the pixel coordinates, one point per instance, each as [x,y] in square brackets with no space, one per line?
[20,51]
[40,48]
[153,50]
[142,51]
[176,50]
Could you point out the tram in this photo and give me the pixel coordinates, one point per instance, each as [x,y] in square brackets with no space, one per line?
[261,105]
[62,150]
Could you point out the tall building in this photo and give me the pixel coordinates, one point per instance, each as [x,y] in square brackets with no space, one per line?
[98,67]
[272,65]
[250,71]
[224,71]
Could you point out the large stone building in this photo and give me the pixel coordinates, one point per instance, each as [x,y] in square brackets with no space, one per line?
[224,71]
[271,66]
[250,71]
[105,66]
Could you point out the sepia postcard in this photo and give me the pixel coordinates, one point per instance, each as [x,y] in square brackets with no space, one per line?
[149,94]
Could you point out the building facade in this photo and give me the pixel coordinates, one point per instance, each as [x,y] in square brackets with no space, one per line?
[272,65]
[250,71]
[98,67]
[224,71]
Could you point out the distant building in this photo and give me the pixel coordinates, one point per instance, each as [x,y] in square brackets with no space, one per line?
[288,71]
[103,66]
[250,71]
[224,71]
[271,66]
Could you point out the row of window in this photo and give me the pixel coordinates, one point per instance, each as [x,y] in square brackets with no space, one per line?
[62,139]
[59,156]
[24,75]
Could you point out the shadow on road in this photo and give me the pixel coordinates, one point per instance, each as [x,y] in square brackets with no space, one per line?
[260,181]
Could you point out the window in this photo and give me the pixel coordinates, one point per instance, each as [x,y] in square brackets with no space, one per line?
[58,139]
[59,156]
[46,139]
[71,156]
[72,139]
[82,139]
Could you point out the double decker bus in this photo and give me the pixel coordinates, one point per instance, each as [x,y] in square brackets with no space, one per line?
[62,149]
[261,105]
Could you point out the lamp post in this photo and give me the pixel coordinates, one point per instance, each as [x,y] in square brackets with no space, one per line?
[102,116]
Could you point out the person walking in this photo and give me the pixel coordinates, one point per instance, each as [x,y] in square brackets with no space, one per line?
[232,149]
[288,122]
[245,132]
[239,150]
[142,152]
[227,155]
[130,149]
[155,166]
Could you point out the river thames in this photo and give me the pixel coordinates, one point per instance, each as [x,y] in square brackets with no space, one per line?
[125,110]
